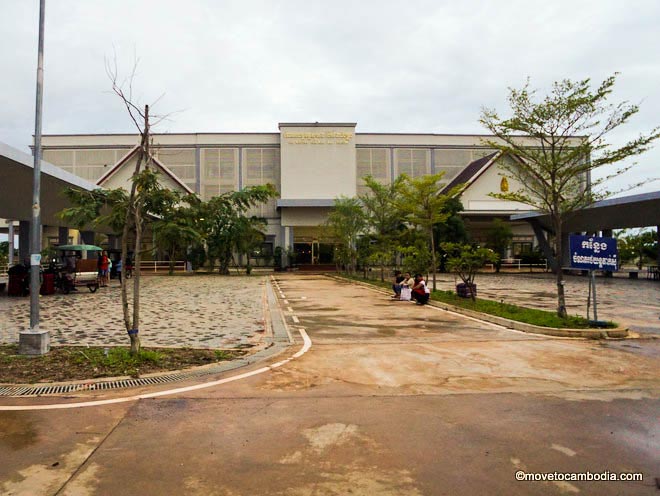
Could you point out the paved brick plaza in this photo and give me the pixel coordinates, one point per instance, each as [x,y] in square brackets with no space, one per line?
[182,311]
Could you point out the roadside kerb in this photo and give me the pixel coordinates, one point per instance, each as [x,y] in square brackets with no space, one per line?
[617,333]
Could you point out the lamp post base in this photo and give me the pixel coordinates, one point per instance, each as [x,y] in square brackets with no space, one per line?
[33,343]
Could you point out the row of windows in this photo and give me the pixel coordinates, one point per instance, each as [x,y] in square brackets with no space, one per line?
[219,167]
[414,162]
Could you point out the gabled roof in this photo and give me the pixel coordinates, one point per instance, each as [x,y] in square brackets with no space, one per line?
[473,170]
[154,160]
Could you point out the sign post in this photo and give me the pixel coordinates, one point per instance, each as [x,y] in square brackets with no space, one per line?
[593,253]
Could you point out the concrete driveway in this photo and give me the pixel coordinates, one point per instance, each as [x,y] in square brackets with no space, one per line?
[391,399]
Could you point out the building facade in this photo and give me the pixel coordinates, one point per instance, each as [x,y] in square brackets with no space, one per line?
[310,164]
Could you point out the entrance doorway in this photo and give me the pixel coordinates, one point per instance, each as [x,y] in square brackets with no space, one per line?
[314,253]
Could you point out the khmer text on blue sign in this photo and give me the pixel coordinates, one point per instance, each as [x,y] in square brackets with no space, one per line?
[593,253]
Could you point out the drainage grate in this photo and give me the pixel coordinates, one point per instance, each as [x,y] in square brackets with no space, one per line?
[50,389]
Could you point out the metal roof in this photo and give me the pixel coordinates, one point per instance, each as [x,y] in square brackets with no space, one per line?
[16,174]
[311,202]
[641,210]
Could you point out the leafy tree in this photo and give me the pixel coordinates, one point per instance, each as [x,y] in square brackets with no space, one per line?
[569,127]
[197,255]
[347,222]
[174,237]
[423,205]
[453,230]
[383,219]
[222,220]
[416,256]
[499,237]
[466,260]
[637,246]
[248,236]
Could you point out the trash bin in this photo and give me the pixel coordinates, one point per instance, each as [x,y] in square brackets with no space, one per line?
[463,290]
[18,285]
[48,284]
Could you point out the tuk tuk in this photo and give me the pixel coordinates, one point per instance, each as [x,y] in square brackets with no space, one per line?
[75,269]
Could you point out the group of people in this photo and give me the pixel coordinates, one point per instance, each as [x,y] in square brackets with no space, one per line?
[104,265]
[407,288]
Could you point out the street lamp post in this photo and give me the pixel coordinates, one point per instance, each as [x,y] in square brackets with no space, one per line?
[36,341]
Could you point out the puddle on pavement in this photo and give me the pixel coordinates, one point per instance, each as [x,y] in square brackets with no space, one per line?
[17,430]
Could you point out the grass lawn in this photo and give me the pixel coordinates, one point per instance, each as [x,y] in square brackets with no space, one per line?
[533,316]
[67,363]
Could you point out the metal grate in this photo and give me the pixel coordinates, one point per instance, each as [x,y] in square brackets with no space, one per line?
[50,389]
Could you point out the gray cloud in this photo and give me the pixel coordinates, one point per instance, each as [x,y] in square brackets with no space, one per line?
[414,66]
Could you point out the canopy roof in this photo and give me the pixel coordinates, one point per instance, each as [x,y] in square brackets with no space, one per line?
[79,248]
[16,173]
[642,210]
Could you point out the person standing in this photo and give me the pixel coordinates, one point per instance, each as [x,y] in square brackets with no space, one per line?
[118,269]
[103,264]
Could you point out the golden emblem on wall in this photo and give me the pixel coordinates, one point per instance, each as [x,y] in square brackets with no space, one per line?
[504,185]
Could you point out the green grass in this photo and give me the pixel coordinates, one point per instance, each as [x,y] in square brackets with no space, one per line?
[119,360]
[76,362]
[533,316]
[222,354]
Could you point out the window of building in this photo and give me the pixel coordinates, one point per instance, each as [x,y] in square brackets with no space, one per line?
[453,161]
[373,162]
[414,162]
[262,166]
[181,161]
[89,164]
[219,167]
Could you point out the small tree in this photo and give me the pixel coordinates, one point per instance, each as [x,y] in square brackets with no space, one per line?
[223,217]
[346,223]
[383,219]
[453,230]
[466,260]
[174,238]
[498,239]
[416,256]
[637,246]
[569,127]
[248,236]
[423,203]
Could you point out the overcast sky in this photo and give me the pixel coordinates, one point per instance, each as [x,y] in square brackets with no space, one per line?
[408,66]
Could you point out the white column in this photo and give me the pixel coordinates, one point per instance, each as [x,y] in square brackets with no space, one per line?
[287,246]
[10,228]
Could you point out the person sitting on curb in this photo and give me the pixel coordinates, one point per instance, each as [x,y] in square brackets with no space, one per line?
[420,291]
[405,293]
[396,284]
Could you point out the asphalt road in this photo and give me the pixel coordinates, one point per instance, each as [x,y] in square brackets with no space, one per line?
[391,399]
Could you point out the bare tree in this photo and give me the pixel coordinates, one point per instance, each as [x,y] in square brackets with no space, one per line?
[134,220]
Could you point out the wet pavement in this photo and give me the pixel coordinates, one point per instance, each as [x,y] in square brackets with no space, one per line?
[200,311]
[634,303]
[391,399]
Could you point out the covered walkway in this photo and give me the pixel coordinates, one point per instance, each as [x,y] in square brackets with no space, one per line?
[16,173]
[634,211]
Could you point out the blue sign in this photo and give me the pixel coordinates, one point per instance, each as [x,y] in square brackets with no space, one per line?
[593,253]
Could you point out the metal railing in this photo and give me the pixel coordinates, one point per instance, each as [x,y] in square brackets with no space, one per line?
[148,266]
[516,263]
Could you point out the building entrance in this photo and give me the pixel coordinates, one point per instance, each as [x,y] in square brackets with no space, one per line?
[314,253]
